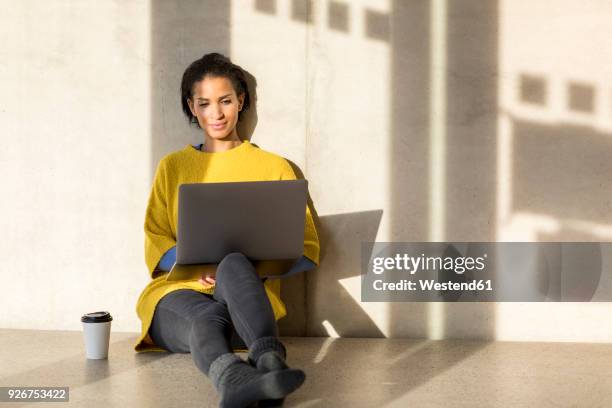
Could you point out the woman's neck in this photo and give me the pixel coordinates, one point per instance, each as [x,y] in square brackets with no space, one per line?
[214,145]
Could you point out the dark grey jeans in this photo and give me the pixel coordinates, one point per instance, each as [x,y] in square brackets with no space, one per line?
[187,321]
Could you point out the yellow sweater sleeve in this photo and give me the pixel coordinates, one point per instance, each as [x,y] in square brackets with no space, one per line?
[158,234]
[311,239]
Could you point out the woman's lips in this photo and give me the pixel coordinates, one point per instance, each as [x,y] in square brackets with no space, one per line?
[218,126]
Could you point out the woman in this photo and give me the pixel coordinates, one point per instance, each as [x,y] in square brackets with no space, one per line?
[199,317]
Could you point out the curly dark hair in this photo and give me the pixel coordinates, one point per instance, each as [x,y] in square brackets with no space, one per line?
[215,65]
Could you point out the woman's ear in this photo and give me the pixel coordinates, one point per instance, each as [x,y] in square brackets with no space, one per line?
[191,107]
[240,102]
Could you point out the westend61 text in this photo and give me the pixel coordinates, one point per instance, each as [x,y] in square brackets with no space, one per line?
[431,284]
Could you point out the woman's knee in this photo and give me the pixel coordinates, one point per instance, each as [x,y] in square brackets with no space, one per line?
[235,258]
[234,266]
[214,319]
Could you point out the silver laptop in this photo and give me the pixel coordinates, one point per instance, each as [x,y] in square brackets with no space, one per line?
[264,220]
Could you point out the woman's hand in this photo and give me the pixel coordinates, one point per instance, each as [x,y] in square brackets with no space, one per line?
[207,281]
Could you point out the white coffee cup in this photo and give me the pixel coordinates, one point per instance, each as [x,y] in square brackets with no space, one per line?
[96,330]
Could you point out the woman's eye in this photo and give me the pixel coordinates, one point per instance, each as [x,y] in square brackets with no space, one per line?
[203,105]
[227,101]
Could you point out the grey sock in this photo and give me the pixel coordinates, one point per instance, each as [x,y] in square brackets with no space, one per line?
[265,345]
[241,384]
[270,361]
[268,354]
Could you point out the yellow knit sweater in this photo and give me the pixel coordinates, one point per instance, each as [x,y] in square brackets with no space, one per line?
[189,165]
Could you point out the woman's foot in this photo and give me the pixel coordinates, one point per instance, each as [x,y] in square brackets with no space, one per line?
[268,354]
[270,361]
[240,384]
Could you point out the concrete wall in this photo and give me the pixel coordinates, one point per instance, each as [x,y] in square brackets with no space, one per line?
[76,132]
[412,120]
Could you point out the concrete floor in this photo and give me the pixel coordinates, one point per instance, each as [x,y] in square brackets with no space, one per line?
[340,373]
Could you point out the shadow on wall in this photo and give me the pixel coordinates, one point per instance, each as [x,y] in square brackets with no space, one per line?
[181,32]
[562,171]
[471,146]
[560,168]
[331,308]
[466,111]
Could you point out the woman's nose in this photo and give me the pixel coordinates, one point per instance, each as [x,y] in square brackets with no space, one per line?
[215,111]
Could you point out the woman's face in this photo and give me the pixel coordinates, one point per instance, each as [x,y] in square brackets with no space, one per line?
[216,105]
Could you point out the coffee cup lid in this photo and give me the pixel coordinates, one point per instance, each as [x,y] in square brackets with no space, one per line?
[96,317]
